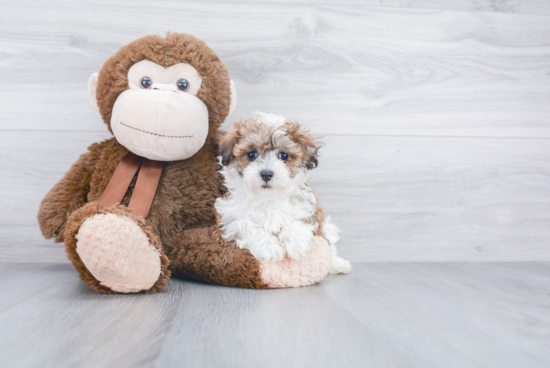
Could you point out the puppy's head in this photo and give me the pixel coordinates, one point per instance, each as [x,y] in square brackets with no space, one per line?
[267,154]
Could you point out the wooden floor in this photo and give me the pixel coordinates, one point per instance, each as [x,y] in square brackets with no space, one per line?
[382,315]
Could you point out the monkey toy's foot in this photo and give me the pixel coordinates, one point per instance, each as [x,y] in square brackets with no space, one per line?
[118,253]
[114,251]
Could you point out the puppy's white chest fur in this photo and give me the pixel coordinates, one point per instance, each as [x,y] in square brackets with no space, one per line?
[269,227]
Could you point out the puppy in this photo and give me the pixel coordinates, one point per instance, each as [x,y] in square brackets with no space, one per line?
[270,208]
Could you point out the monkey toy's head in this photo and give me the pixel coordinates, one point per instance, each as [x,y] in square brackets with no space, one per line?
[163,97]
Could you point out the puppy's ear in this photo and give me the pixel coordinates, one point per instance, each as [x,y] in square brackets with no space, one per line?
[313,154]
[308,142]
[227,141]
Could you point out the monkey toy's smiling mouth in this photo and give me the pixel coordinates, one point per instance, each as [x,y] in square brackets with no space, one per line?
[160,125]
[159,135]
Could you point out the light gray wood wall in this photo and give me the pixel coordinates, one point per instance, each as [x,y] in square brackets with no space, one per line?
[436,115]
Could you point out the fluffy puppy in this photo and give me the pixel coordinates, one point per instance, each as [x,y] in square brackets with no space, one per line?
[269,208]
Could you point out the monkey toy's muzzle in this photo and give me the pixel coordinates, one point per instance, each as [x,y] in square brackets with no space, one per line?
[160,125]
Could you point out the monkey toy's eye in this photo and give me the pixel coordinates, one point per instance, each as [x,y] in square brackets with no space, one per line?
[252,155]
[283,156]
[146,82]
[183,85]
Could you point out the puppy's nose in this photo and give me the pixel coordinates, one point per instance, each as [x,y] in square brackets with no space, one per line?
[266,175]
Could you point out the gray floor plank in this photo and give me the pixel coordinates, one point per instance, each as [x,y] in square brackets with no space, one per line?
[383,315]
[70,325]
[22,281]
[226,327]
[453,315]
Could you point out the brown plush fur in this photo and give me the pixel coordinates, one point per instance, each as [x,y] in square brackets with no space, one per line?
[224,263]
[187,189]
[68,195]
[166,51]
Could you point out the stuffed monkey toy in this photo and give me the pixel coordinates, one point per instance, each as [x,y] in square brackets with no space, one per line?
[139,206]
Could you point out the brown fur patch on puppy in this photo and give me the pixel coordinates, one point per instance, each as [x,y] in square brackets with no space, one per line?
[307,145]
[248,135]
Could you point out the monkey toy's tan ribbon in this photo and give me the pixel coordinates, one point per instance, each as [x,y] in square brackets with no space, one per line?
[145,188]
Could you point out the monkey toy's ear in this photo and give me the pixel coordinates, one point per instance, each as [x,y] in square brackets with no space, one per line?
[92,87]
[233,98]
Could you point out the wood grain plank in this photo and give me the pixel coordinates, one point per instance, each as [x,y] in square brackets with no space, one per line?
[26,244]
[504,6]
[381,315]
[22,281]
[70,325]
[32,163]
[453,314]
[228,327]
[343,69]
[395,198]
[433,199]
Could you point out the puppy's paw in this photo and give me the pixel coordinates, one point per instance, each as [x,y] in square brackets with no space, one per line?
[296,243]
[267,248]
[339,266]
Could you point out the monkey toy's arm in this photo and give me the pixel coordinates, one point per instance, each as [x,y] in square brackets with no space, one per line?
[68,195]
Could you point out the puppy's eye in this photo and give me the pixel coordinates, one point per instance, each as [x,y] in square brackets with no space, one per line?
[252,155]
[283,156]
[146,82]
[183,85]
